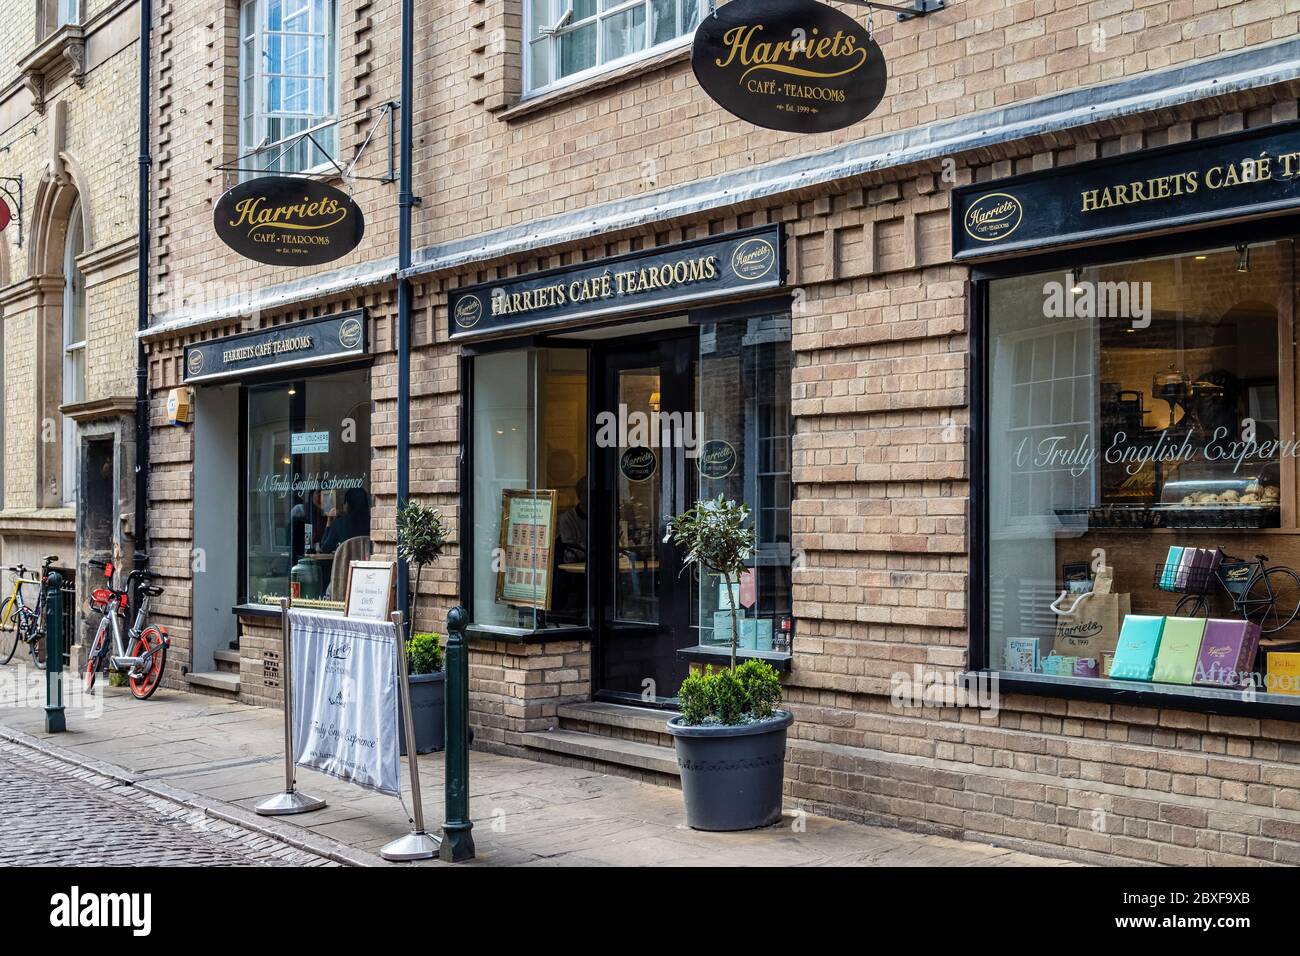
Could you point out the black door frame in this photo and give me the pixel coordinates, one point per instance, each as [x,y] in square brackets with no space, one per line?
[676,352]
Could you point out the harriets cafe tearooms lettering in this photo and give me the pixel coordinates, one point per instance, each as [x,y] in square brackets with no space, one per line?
[280,220]
[793,65]
[1241,175]
[607,285]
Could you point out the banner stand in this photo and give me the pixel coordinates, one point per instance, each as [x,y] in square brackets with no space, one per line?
[416,845]
[291,800]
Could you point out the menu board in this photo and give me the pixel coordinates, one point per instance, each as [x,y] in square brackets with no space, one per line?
[370,590]
[527,539]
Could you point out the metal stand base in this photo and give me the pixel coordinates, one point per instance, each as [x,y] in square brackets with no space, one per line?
[290,801]
[413,846]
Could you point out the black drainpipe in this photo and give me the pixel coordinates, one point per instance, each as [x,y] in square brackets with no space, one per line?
[141,556]
[405,202]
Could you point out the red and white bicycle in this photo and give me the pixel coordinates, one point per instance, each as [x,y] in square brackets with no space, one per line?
[148,643]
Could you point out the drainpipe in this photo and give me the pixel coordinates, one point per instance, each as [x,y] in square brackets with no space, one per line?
[405,202]
[141,556]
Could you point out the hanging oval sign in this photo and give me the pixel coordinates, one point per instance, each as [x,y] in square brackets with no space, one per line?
[284,221]
[5,215]
[793,65]
[717,459]
[638,464]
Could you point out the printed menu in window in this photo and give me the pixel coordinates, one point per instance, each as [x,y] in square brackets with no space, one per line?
[527,540]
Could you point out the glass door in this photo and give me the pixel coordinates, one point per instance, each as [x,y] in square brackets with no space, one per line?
[642,420]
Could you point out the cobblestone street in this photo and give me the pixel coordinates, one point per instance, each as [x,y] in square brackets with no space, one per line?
[57,815]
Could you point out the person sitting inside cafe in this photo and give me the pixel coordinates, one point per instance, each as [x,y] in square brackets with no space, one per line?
[354,522]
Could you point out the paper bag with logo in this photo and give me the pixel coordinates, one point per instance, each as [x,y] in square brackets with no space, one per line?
[1089,626]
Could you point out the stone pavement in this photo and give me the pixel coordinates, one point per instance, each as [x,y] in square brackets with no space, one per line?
[224,757]
[56,814]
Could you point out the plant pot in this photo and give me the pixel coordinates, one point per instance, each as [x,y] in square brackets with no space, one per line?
[732,776]
[429,709]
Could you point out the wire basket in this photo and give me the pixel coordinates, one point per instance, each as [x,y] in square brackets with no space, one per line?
[1179,578]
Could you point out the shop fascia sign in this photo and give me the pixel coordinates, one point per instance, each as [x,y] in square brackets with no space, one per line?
[730,265]
[798,66]
[1240,175]
[288,221]
[337,338]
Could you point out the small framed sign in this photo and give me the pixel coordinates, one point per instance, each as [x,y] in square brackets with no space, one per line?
[372,590]
[527,541]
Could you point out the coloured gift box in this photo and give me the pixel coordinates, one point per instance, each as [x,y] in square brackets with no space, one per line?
[1283,675]
[1139,641]
[1180,648]
[1227,656]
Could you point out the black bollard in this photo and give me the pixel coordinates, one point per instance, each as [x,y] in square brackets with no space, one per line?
[55,721]
[457,830]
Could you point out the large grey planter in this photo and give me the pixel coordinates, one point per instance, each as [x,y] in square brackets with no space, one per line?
[429,709]
[731,776]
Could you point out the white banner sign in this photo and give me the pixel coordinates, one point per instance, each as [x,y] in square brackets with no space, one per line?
[345,699]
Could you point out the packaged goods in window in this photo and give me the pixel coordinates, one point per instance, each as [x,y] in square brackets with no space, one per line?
[1107,661]
[1221,493]
[1227,655]
[1089,624]
[1180,648]
[755,634]
[1022,655]
[1170,572]
[1139,642]
[1282,674]
[1077,577]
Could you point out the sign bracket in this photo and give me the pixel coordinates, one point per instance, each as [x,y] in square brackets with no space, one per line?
[375,116]
[919,8]
[12,187]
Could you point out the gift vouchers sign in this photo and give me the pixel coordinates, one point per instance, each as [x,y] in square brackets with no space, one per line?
[287,221]
[793,65]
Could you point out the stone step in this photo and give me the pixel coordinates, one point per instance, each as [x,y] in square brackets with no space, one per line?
[227,661]
[227,684]
[609,751]
[641,724]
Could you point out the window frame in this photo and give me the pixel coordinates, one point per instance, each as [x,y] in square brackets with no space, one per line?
[69,483]
[979,432]
[617,7]
[254,45]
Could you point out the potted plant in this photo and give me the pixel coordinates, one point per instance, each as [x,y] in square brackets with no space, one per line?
[421,538]
[730,736]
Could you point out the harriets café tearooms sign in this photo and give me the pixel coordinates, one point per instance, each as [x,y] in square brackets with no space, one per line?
[690,273]
[334,339]
[288,221]
[793,65]
[1242,175]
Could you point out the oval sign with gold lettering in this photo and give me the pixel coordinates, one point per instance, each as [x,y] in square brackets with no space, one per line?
[793,65]
[284,221]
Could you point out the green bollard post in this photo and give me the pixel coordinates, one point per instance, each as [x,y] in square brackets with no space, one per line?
[457,830]
[55,721]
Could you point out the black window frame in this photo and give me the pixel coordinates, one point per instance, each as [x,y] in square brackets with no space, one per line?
[1142,694]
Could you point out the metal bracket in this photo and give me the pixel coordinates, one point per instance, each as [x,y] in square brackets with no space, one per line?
[919,8]
[385,115]
[12,187]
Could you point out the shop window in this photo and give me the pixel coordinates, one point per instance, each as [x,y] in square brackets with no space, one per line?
[530,458]
[1141,459]
[74,348]
[569,39]
[288,84]
[308,494]
[744,400]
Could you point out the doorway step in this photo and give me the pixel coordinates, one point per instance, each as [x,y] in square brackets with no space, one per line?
[222,682]
[611,738]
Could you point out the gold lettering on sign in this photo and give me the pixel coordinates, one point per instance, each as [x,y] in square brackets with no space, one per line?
[293,343]
[795,57]
[254,214]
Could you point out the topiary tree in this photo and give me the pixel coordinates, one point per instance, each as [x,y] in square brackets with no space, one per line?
[713,537]
[421,538]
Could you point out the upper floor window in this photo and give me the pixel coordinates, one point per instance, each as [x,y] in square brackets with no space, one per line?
[569,38]
[288,84]
[69,11]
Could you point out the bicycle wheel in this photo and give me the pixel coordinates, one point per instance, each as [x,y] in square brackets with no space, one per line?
[1192,605]
[96,651]
[1272,600]
[8,631]
[29,634]
[145,680]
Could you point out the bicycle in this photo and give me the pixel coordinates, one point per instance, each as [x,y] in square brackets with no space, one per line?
[148,643]
[1265,595]
[25,624]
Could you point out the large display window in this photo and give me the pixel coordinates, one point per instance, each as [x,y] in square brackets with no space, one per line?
[1139,508]
[307,490]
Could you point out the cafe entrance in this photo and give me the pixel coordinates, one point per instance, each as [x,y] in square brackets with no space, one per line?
[645,426]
